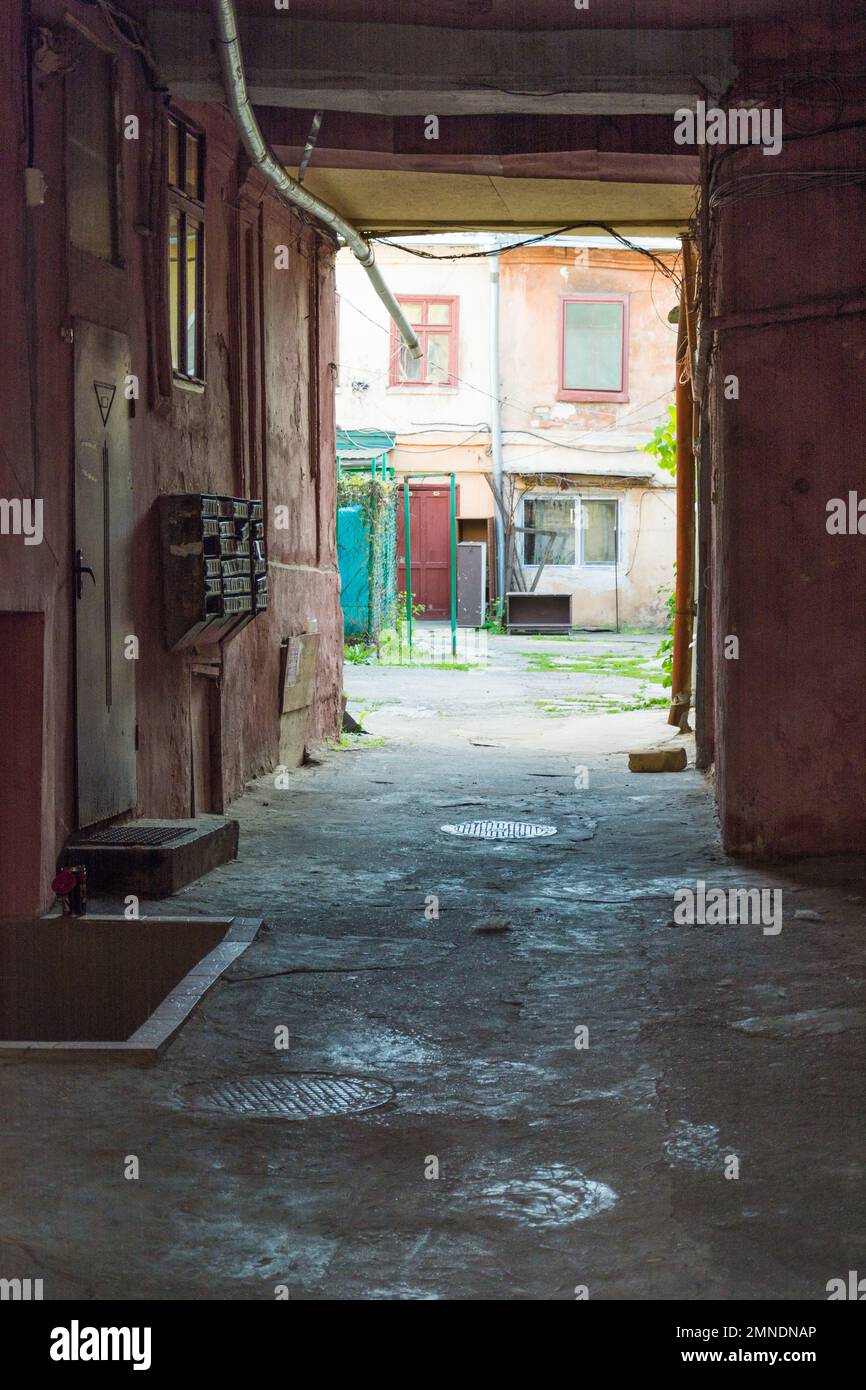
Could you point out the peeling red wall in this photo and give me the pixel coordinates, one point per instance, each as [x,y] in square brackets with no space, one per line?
[787,274]
[189,444]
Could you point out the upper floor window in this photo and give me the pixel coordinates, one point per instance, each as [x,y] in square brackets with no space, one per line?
[185,176]
[434,319]
[594,348]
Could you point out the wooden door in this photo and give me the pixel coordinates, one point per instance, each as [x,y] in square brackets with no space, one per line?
[430,534]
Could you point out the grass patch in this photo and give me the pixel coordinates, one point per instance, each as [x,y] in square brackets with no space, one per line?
[637,668]
[358,653]
[431,665]
[358,741]
[599,704]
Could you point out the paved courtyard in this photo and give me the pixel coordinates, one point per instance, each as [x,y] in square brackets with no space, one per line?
[456,976]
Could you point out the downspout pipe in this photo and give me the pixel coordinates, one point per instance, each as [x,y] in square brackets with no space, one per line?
[288,189]
[684,608]
[496,428]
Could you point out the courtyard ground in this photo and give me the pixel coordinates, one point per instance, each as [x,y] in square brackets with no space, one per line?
[455,973]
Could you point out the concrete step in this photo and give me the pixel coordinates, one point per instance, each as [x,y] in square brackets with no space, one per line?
[186,850]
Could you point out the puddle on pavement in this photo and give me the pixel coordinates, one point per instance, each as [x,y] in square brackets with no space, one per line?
[383,1048]
[553,1196]
[694,1146]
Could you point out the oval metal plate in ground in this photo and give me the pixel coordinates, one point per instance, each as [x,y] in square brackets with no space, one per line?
[499,830]
[303,1096]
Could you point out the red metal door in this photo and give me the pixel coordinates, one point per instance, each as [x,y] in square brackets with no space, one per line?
[429,514]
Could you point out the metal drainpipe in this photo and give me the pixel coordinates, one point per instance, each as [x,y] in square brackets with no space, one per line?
[235,88]
[496,428]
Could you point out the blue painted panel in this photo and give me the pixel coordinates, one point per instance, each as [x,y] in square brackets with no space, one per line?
[353,557]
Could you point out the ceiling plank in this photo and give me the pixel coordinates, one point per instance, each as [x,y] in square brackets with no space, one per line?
[399,69]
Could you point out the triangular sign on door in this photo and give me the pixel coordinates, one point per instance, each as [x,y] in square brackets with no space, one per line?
[105,393]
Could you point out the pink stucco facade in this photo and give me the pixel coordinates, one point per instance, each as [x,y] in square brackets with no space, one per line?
[551,442]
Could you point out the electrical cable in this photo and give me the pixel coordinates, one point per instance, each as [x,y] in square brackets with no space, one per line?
[657,261]
[528,410]
[569,443]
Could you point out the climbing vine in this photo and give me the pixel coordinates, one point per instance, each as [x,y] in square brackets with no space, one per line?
[376,498]
[663,448]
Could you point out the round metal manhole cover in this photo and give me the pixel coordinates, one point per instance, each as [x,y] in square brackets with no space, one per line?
[299,1097]
[500,830]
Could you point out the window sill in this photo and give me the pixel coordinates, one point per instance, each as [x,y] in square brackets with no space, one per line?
[419,389]
[578,565]
[600,397]
[187,383]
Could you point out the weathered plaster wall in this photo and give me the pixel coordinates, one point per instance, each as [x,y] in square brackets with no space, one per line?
[787,274]
[436,451]
[534,281]
[574,440]
[634,592]
[365,342]
[34,454]
[538,428]
[189,443]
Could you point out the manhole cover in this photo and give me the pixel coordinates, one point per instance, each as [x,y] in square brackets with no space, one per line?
[136,835]
[499,830]
[299,1097]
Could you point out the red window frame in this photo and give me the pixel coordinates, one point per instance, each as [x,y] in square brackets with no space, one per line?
[422,329]
[571,393]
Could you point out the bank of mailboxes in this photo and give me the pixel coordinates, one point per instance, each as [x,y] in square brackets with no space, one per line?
[214,566]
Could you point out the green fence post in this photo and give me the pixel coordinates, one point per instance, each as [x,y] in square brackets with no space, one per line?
[453,566]
[407,527]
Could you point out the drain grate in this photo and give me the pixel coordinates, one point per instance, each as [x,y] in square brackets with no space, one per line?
[299,1097]
[137,835]
[500,830]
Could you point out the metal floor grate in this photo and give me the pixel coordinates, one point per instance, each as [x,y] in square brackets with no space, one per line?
[137,835]
[299,1097]
[499,830]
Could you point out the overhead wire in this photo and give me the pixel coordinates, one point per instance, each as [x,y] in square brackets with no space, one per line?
[528,410]
[623,241]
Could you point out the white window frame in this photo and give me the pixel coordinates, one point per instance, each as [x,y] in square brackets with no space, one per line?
[578,498]
[600,497]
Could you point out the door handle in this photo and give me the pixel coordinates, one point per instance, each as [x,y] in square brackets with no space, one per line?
[80,569]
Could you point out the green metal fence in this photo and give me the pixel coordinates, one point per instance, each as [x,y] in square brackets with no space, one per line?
[367,553]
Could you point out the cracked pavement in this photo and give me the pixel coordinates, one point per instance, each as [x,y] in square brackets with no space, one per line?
[601,1166]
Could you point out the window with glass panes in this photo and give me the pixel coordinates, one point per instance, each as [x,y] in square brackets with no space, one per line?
[570,530]
[594,348]
[598,531]
[434,319]
[543,516]
[185,175]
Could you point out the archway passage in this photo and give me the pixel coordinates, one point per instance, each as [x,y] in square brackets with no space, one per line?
[609,1044]
[586,135]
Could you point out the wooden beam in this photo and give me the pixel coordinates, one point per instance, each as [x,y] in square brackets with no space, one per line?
[402,69]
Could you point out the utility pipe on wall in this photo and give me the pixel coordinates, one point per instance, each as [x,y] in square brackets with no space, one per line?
[496,428]
[289,190]
[684,608]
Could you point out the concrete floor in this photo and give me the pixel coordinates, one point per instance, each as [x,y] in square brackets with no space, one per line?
[602,1167]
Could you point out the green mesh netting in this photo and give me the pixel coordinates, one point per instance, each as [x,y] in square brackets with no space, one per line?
[367,553]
